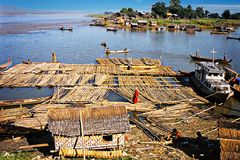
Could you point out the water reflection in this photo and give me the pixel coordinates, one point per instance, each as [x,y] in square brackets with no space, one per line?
[24,93]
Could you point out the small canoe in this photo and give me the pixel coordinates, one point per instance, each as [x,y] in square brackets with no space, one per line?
[125,51]
[5,66]
[199,58]
[65,29]
[217,32]
[236,38]
[17,102]
[114,29]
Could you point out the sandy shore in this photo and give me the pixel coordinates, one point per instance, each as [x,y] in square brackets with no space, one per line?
[21,28]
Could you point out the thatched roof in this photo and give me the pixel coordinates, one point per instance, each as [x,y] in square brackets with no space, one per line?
[95,120]
[229,130]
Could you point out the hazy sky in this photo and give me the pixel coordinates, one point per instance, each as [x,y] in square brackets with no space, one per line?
[113,5]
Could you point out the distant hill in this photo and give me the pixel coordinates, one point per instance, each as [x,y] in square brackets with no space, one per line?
[11,10]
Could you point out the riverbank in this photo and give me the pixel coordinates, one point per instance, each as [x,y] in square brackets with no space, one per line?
[204,23]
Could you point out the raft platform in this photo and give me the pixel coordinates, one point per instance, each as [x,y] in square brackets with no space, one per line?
[92,83]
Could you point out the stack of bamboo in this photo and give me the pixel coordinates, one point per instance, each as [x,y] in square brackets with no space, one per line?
[126,61]
[229,134]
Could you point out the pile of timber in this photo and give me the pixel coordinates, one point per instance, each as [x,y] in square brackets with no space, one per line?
[26,121]
[229,134]
[38,119]
[12,114]
[127,61]
[171,113]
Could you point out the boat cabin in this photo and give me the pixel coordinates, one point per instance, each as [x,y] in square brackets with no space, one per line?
[134,25]
[212,77]
[142,23]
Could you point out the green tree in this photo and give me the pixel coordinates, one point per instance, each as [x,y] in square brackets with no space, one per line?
[206,13]
[175,3]
[226,14]
[200,12]
[124,10]
[214,15]
[159,9]
[129,11]
[175,7]
[235,15]
[189,12]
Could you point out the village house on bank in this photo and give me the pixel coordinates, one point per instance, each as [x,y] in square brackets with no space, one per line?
[94,131]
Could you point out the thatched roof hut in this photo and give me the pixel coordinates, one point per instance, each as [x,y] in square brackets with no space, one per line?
[95,121]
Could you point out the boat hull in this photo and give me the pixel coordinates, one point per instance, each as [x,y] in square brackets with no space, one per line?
[195,58]
[6,103]
[203,90]
[5,66]
[117,52]
[236,91]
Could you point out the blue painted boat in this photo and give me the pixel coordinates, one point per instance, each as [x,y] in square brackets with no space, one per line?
[5,66]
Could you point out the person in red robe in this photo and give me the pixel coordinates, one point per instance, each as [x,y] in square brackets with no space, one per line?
[136,95]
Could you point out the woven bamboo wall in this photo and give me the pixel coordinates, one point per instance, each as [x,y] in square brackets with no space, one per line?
[90,142]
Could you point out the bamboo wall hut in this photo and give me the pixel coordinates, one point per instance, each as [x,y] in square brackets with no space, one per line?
[229,134]
[89,129]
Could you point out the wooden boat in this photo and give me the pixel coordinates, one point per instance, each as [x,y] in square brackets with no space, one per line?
[199,58]
[65,29]
[218,32]
[236,90]
[27,62]
[5,66]
[209,79]
[125,51]
[114,29]
[236,38]
[6,103]
[184,73]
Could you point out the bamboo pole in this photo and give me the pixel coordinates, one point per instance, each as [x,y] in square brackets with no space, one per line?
[194,115]
[82,135]
[34,146]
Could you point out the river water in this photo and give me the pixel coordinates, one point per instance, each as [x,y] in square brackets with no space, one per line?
[83,44]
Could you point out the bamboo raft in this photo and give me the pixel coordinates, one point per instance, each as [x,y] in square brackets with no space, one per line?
[84,83]
[126,61]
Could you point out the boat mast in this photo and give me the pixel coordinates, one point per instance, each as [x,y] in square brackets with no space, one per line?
[213,52]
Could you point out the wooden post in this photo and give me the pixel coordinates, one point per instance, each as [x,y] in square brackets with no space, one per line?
[83,145]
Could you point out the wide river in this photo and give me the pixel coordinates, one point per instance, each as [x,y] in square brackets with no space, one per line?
[83,44]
